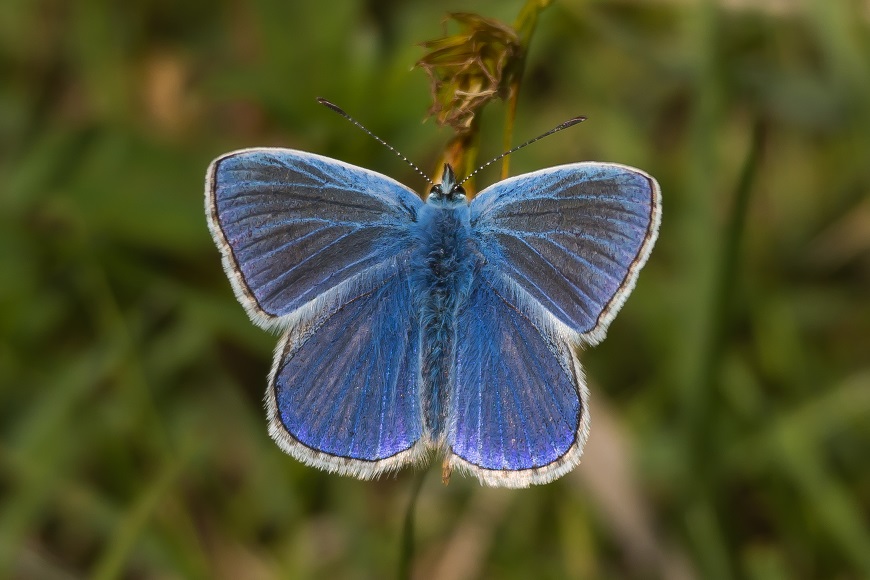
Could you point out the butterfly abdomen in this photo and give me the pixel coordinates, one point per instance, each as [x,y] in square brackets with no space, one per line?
[443,270]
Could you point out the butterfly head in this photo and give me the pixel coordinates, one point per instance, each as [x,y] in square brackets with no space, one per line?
[448,190]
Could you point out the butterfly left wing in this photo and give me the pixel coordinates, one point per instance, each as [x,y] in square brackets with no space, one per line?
[572,238]
[320,249]
[517,413]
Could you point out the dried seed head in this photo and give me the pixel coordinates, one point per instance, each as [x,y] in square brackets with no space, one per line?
[470,68]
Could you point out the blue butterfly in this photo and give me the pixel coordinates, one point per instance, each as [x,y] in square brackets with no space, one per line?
[448,325]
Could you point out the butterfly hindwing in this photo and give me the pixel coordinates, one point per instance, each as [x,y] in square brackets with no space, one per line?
[574,237]
[518,412]
[292,225]
[344,392]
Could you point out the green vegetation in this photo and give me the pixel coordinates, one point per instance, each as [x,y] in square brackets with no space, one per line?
[731,400]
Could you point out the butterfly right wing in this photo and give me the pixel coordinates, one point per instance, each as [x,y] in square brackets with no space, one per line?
[561,249]
[292,225]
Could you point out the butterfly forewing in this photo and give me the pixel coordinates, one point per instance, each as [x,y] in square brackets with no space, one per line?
[293,225]
[573,237]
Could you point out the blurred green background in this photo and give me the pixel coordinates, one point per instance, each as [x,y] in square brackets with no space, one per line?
[730,403]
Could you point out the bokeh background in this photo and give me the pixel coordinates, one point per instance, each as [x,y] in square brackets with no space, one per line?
[730,402]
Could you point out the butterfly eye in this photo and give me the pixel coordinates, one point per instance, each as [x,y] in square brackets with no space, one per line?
[436,191]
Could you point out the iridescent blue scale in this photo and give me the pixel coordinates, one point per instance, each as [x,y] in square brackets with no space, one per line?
[411,325]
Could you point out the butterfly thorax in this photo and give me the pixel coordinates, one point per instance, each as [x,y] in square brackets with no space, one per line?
[445,273]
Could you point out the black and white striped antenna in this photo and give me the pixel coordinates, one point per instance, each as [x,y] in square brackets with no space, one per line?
[341,112]
[562,126]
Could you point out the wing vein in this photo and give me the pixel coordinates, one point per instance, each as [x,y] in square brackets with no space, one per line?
[581,259]
[538,366]
[561,275]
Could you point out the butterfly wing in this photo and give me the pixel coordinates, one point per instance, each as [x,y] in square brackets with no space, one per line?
[517,412]
[292,225]
[572,238]
[561,249]
[344,388]
[320,248]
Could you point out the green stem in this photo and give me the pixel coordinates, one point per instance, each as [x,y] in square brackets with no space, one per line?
[725,279]
[509,128]
[705,528]
[406,556]
[525,25]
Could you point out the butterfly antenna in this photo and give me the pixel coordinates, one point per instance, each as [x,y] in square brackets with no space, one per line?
[341,112]
[565,125]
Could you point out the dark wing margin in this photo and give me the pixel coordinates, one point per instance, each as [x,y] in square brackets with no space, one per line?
[573,237]
[292,225]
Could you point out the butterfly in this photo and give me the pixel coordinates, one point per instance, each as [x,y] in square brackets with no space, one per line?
[412,325]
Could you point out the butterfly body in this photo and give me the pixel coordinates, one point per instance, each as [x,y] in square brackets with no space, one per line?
[444,264]
[447,325]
